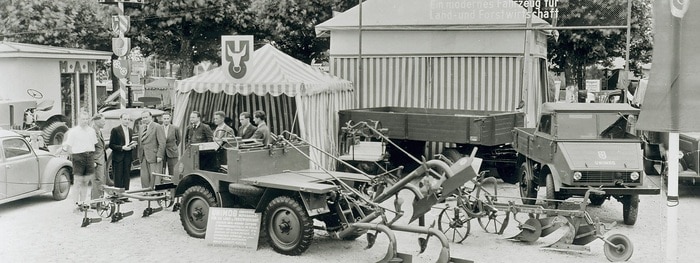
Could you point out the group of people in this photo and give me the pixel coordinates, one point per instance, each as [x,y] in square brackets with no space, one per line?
[157,146]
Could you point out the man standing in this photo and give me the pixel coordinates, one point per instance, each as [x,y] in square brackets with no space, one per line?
[246,130]
[80,143]
[98,122]
[172,141]
[121,144]
[152,150]
[222,130]
[263,132]
[196,132]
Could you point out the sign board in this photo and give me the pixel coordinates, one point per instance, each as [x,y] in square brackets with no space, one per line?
[121,68]
[121,46]
[233,227]
[120,25]
[593,85]
[236,53]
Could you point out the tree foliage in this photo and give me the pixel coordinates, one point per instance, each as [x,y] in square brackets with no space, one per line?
[574,50]
[66,23]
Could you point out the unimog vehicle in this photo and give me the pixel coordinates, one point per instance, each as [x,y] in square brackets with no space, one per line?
[580,146]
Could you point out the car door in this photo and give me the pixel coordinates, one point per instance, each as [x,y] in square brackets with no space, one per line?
[21,167]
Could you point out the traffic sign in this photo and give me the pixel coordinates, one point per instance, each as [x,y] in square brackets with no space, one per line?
[120,25]
[121,46]
[121,68]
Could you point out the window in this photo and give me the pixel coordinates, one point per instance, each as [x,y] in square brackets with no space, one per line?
[546,124]
[15,147]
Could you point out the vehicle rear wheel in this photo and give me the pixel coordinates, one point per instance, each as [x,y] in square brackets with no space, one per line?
[528,188]
[53,134]
[289,227]
[195,210]
[630,207]
[597,200]
[61,184]
[551,202]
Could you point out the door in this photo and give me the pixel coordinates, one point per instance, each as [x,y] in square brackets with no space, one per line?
[21,167]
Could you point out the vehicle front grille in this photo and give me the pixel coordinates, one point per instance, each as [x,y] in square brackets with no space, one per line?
[599,177]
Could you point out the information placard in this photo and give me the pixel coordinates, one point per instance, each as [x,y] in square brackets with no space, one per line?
[233,227]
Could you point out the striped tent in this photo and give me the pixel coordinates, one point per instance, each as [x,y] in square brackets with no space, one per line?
[295,96]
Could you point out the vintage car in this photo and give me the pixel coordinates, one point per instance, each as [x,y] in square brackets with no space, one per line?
[112,120]
[27,171]
[689,162]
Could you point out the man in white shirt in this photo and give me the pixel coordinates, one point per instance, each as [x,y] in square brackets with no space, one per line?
[80,143]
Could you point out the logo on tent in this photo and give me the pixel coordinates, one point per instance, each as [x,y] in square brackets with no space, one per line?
[237,51]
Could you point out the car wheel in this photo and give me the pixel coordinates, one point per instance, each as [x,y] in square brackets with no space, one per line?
[289,227]
[630,207]
[528,188]
[109,172]
[195,210]
[61,184]
[551,202]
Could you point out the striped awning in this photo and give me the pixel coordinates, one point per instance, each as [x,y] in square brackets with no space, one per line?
[271,72]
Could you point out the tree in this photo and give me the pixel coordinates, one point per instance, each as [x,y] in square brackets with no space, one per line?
[187,31]
[574,50]
[68,23]
[289,24]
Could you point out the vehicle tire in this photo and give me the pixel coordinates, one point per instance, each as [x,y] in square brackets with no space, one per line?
[630,207]
[109,173]
[614,254]
[452,154]
[597,200]
[54,133]
[61,184]
[507,173]
[195,210]
[528,188]
[551,195]
[289,227]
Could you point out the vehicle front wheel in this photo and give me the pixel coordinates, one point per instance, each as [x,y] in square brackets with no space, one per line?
[551,202]
[528,188]
[630,207]
[289,227]
[109,173]
[61,184]
[195,210]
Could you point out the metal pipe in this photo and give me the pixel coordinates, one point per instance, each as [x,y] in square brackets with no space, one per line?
[391,250]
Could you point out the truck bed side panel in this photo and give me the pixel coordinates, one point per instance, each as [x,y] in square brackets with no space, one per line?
[522,141]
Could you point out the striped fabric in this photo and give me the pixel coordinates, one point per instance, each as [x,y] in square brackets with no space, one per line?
[443,82]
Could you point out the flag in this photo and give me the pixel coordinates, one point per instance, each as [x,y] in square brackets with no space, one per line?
[672,100]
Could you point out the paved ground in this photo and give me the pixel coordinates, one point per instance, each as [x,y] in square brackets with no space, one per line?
[41,230]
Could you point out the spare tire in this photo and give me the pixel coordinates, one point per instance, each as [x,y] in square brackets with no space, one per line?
[53,134]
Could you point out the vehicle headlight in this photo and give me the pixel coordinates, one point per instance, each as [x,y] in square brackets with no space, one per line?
[577,176]
[634,176]
[680,155]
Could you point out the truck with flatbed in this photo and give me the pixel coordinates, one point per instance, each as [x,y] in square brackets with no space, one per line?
[412,128]
[579,146]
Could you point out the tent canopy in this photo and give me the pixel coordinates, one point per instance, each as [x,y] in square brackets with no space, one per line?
[271,72]
[290,91]
[161,83]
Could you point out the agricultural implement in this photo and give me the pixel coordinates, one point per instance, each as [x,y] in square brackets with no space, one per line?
[493,216]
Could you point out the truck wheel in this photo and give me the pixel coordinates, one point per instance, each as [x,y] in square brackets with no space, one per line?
[551,202]
[507,173]
[53,134]
[597,200]
[195,210]
[452,155]
[528,188]
[630,207]
[288,225]
[61,184]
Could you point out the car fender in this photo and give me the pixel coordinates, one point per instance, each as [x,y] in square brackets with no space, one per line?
[197,179]
[555,176]
[51,168]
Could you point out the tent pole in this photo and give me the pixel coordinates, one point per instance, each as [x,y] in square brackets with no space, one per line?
[359,58]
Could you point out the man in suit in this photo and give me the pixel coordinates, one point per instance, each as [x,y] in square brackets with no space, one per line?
[172,141]
[222,130]
[152,150]
[121,144]
[98,122]
[263,132]
[246,130]
[196,132]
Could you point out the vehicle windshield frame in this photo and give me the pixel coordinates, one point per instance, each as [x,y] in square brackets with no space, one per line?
[595,126]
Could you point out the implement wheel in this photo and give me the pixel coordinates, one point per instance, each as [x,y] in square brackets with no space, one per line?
[288,225]
[630,207]
[195,210]
[528,188]
[622,251]
[454,223]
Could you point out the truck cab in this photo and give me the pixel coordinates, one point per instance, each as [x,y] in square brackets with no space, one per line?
[579,146]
